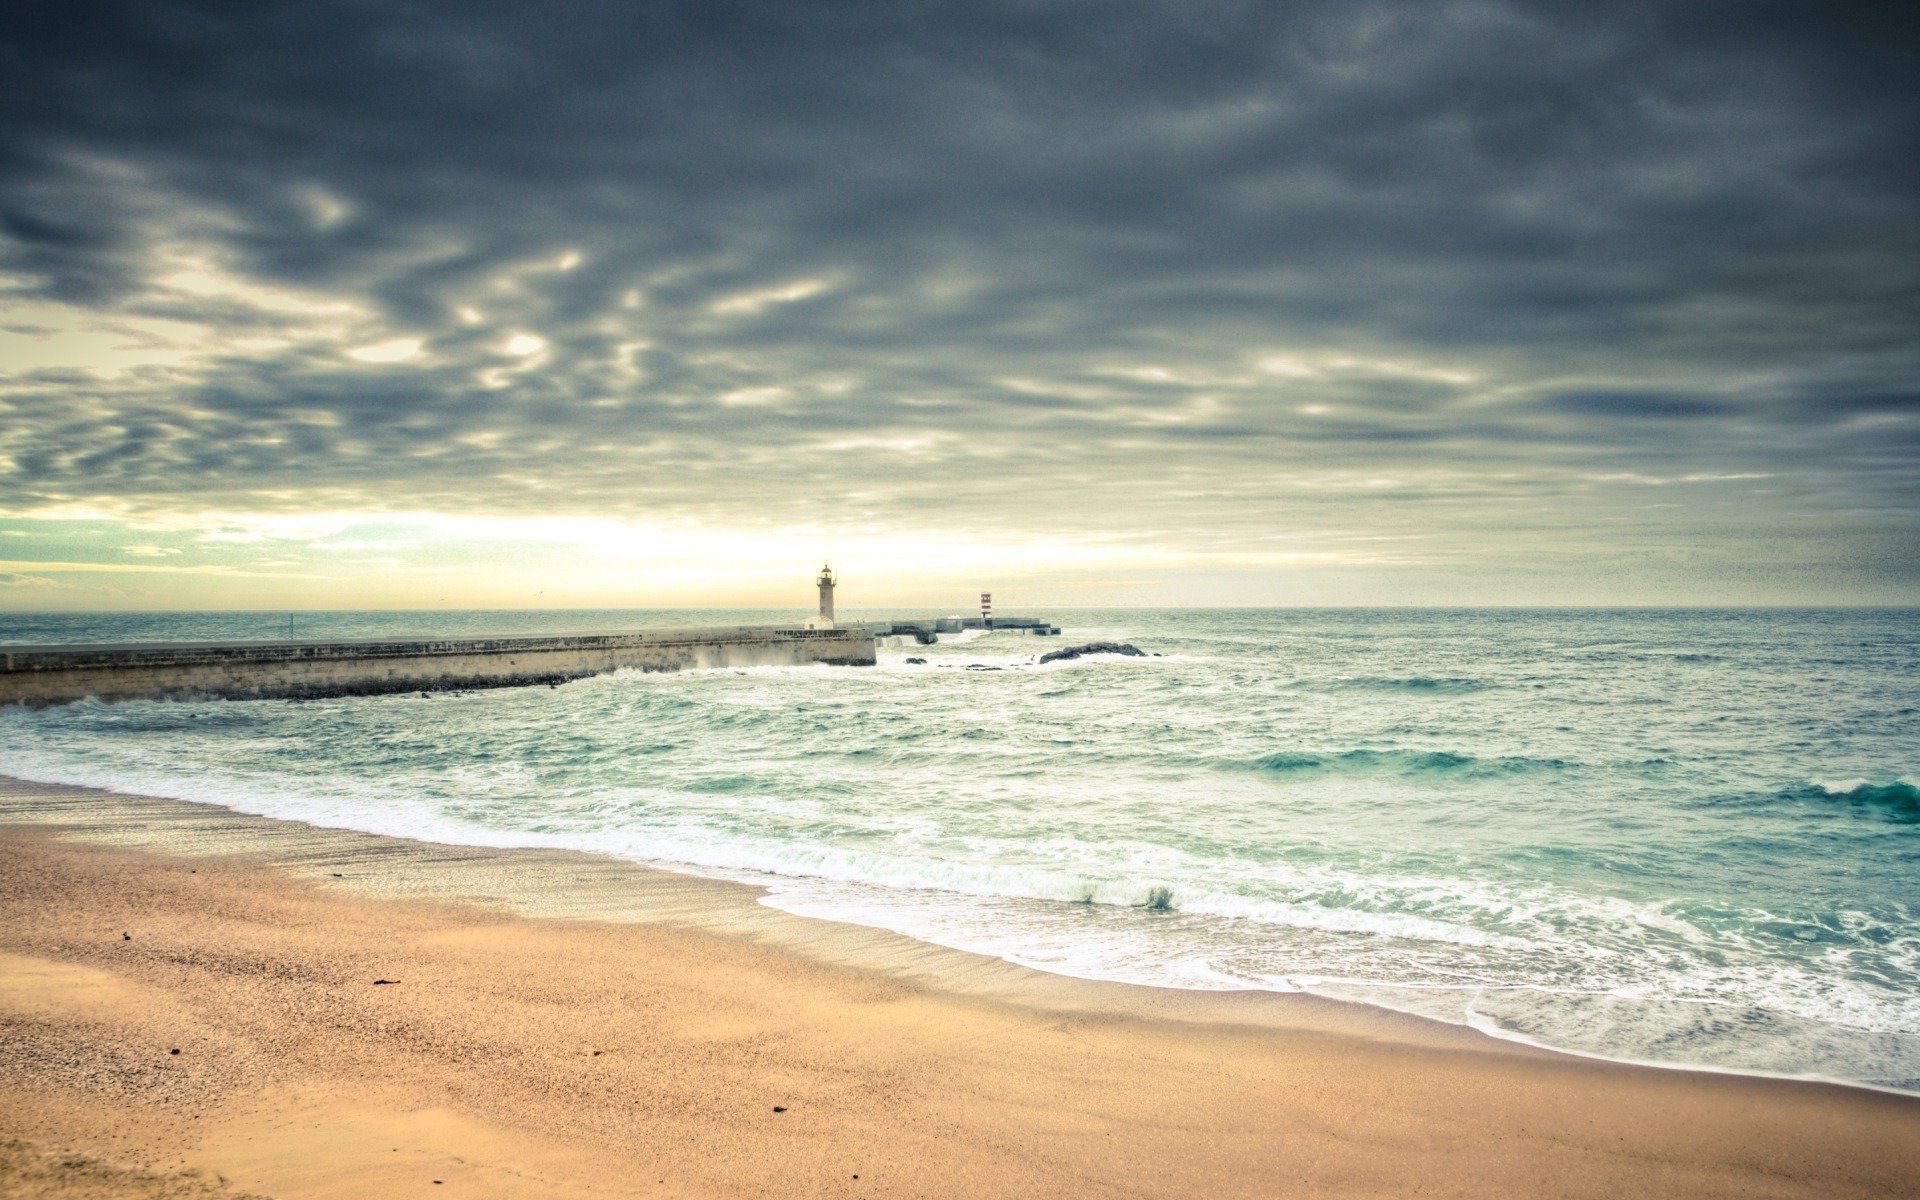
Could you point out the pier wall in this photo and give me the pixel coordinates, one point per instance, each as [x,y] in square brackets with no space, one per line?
[38,675]
[927,630]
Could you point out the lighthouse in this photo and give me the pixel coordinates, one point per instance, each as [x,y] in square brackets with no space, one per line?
[826,582]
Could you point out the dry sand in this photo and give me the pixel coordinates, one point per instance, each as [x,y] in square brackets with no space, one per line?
[703,1045]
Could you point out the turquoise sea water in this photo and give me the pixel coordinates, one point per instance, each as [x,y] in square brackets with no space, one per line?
[1684,837]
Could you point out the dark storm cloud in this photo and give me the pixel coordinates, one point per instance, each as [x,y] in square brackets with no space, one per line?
[925,258]
[1634,404]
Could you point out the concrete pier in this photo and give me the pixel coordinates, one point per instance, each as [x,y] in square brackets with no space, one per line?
[926,630]
[39,675]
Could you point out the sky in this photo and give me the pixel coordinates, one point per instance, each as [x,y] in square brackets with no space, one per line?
[483,303]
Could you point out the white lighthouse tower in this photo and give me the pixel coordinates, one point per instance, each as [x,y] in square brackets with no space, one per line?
[826,582]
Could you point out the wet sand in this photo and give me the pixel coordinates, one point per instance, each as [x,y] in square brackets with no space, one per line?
[561,1025]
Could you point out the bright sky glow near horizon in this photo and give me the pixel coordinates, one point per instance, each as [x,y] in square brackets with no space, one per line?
[483,304]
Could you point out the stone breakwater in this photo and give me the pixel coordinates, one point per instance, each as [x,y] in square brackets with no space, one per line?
[41,675]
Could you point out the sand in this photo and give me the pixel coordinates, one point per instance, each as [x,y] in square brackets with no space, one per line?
[191,1005]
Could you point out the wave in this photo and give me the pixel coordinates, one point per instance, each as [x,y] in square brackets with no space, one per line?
[373,808]
[1655,655]
[1311,927]
[1400,762]
[1898,798]
[1442,685]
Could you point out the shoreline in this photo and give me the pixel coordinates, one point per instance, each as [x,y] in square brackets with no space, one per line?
[602,887]
[610,887]
[559,1019]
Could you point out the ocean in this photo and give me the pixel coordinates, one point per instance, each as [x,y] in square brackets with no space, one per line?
[1682,837]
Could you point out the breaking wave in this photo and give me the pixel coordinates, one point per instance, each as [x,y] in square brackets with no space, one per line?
[1898,799]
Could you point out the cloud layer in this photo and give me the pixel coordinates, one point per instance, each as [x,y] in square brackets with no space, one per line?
[1585,290]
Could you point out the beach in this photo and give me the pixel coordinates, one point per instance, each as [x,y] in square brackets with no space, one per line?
[192,1002]
[1684,839]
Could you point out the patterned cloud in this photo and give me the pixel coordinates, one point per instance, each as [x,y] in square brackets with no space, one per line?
[1437,294]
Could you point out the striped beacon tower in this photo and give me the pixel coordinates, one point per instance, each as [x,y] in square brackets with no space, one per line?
[986,609]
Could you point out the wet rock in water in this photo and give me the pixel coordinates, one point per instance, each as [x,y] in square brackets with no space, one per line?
[1093,648]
